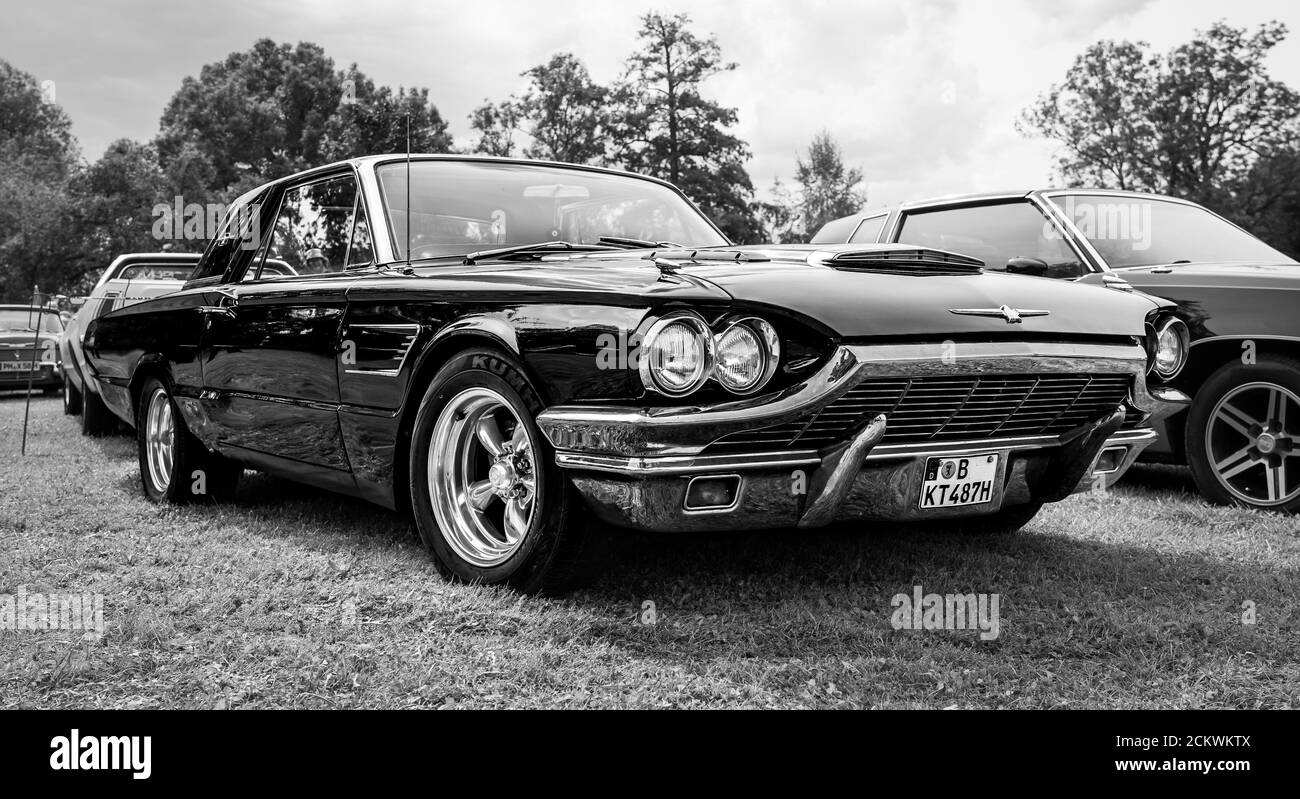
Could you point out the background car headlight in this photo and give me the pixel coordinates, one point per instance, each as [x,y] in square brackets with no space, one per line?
[677,356]
[746,355]
[1169,349]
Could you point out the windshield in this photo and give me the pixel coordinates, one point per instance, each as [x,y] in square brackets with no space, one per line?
[1143,231]
[23,319]
[460,207]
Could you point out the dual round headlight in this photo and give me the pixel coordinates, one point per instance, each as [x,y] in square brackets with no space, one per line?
[681,353]
[1169,345]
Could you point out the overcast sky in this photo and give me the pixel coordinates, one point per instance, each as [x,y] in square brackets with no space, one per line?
[922,95]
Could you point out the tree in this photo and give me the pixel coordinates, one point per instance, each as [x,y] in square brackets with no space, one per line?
[114,199]
[663,126]
[277,109]
[1192,123]
[828,190]
[562,113]
[38,159]
[372,119]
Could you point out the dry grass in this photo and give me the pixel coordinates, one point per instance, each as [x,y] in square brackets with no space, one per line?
[292,597]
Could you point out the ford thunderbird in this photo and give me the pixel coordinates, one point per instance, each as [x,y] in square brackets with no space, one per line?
[509,349]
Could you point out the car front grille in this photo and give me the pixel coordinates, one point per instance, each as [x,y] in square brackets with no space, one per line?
[939,409]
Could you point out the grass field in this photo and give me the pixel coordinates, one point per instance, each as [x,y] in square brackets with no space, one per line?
[292,597]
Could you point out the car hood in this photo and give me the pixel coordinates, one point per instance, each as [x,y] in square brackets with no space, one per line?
[863,302]
[796,279]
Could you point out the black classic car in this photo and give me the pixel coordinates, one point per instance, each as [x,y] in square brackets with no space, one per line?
[29,351]
[1235,295]
[504,347]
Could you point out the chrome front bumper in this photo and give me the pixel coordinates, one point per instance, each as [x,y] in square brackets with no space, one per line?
[634,466]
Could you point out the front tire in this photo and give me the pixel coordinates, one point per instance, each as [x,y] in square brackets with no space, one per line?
[1243,435]
[488,501]
[174,465]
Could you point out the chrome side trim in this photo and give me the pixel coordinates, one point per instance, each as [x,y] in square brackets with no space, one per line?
[682,465]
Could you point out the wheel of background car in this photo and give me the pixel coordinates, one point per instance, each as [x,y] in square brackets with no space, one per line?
[1243,435]
[71,398]
[174,466]
[96,418]
[488,501]
[1004,522]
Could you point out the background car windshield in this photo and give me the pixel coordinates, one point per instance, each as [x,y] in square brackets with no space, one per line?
[156,272]
[22,319]
[1141,231]
[460,207]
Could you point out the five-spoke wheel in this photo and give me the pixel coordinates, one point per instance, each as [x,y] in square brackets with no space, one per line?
[1243,435]
[486,495]
[482,481]
[1250,446]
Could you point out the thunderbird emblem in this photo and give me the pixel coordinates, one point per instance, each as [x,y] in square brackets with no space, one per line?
[1013,316]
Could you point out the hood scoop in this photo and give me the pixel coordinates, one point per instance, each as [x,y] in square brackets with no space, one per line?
[908,261]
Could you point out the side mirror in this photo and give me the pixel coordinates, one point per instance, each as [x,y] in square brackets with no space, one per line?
[77,302]
[1027,266]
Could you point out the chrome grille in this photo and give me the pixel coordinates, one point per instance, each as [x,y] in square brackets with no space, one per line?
[954,408]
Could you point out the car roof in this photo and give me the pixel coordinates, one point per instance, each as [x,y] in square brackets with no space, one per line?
[384,158]
[962,199]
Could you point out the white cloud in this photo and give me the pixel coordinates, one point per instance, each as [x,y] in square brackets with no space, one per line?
[922,94]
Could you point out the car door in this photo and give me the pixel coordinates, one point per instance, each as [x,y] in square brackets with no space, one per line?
[270,381]
[1012,235]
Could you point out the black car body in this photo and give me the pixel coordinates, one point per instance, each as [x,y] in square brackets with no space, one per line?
[29,348]
[568,340]
[1236,295]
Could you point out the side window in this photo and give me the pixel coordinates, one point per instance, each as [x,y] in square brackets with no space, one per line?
[994,234]
[237,238]
[869,231]
[312,231]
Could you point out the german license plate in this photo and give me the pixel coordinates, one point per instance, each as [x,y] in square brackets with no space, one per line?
[957,481]
[15,366]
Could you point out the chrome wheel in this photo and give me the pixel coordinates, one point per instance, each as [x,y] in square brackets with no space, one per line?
[483,483]
[1250,447]
[160,440]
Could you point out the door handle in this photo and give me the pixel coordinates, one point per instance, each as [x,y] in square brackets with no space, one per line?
[217,310]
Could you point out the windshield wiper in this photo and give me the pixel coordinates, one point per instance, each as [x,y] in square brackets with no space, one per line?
[637,244]
[539,248]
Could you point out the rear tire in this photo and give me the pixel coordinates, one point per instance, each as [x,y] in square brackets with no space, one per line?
[174,465]
[487,498]
[71,398]
[96,418]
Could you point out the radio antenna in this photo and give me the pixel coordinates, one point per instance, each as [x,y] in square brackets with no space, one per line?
[408,188]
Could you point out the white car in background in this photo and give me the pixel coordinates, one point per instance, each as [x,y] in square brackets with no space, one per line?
[131,278]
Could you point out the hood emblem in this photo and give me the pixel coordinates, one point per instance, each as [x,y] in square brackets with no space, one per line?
[1013,316]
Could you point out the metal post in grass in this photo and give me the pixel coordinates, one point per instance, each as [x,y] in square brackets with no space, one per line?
[34,322]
